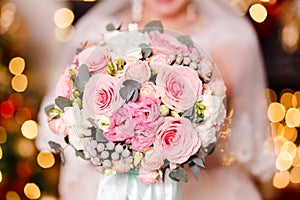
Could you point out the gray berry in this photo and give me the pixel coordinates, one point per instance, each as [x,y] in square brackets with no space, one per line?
[129,160]
[104,154]
[110,145]
[115,156]
[179,59]
[194,65]
[93,144]
[119,148]
[186,61]
[172,58]
[106,163]
[126,153]
[100,147]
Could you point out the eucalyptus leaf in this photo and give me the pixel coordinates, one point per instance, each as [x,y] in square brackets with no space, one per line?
[210,148]
[153,78]
[196,171]
[199,161]
[135,95]
[131,83]
[57,147]
[49,108]
[124,92]
[179,174]
[110,27]
[185,39]
[146,50]
[62,157]
[155,25]
[81,154]
[83,73]
[63,102]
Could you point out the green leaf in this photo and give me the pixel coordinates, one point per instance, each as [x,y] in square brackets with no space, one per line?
[155,25]
[48,109]
[81,154]
[63,102]
[199,161]
[195,170]
[185,39]
[179,174]
[146,50]
[83,73]
[62,157]
[57,147]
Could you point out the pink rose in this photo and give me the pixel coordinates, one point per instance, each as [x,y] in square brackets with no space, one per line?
[101,95]
[95,57]
[152,160]
[64,85]
[179,87]
[148,89]
[157,60]
[165,44]
[58,127]
[177,140]
[148,177]
[138,71]
[142,139]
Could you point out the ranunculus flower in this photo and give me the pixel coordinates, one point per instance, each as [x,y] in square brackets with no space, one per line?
[95,57]
[165,44]
[177,140]
[101,95]
[148,89]
[142,139]
[148,177]
[152,160]
[179,87]
[138,71]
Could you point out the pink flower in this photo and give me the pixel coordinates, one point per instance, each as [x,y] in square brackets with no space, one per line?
[179,87]
[148,177]
[121,166]
[148,89]
[177,140]
[95,57]
[165,44]
[58,127]
[157,60]
[142,139]
[217,87]
[101,95]
[138,71]
[152,160]
[64,85]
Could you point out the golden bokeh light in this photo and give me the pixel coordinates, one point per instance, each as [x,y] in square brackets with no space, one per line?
[63,17]
[286,99]
[64,35]
[281,179]
[276,112]
[277,129]
[12,195]
[19,83]
[284,161]
[278,142]
[25,148]
[296,160]
[290,36]
[3,135]
[16,66]
[271,94]
[290,148]
[1,153]
[292,117]
[32,191]
[22,115]
[0,176]
[7,16]
[45,159]
[258,13]
[48,197]
[30,129]
[295,175]
[296,99]
[290,133]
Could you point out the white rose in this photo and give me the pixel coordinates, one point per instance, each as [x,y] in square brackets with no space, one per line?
[215,109]
[207,133]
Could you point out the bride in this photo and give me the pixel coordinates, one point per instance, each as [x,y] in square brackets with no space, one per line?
[241,153]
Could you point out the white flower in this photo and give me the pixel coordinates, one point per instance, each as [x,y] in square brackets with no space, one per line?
[207,133]
[103,123]
[215,109]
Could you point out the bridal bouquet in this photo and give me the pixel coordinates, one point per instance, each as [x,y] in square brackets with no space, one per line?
[146,101]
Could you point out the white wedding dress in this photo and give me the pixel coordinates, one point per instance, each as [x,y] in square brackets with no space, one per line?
[242,152]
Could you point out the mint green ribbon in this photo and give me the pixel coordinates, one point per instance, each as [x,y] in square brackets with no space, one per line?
[127,186]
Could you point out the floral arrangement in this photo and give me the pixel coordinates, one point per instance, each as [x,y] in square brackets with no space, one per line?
[142,101]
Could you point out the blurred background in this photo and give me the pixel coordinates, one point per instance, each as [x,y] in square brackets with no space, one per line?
[26,173]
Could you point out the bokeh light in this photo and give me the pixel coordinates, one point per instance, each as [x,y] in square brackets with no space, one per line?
[1,153]
[63,17]
[258,13]
[284,161]
[292,117]
[29,129]
[25,148]
[281,179]
[290,148]
[19,83]
[45,159]
[16,65]
[0,176]
[3,135]
[64,35]
[276,112]
[296,99]
[12,195]
[290,133]
[22,115]
[17,99]
[286,100]
[7,109]
[295,174]
[32,191]
[271,94]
